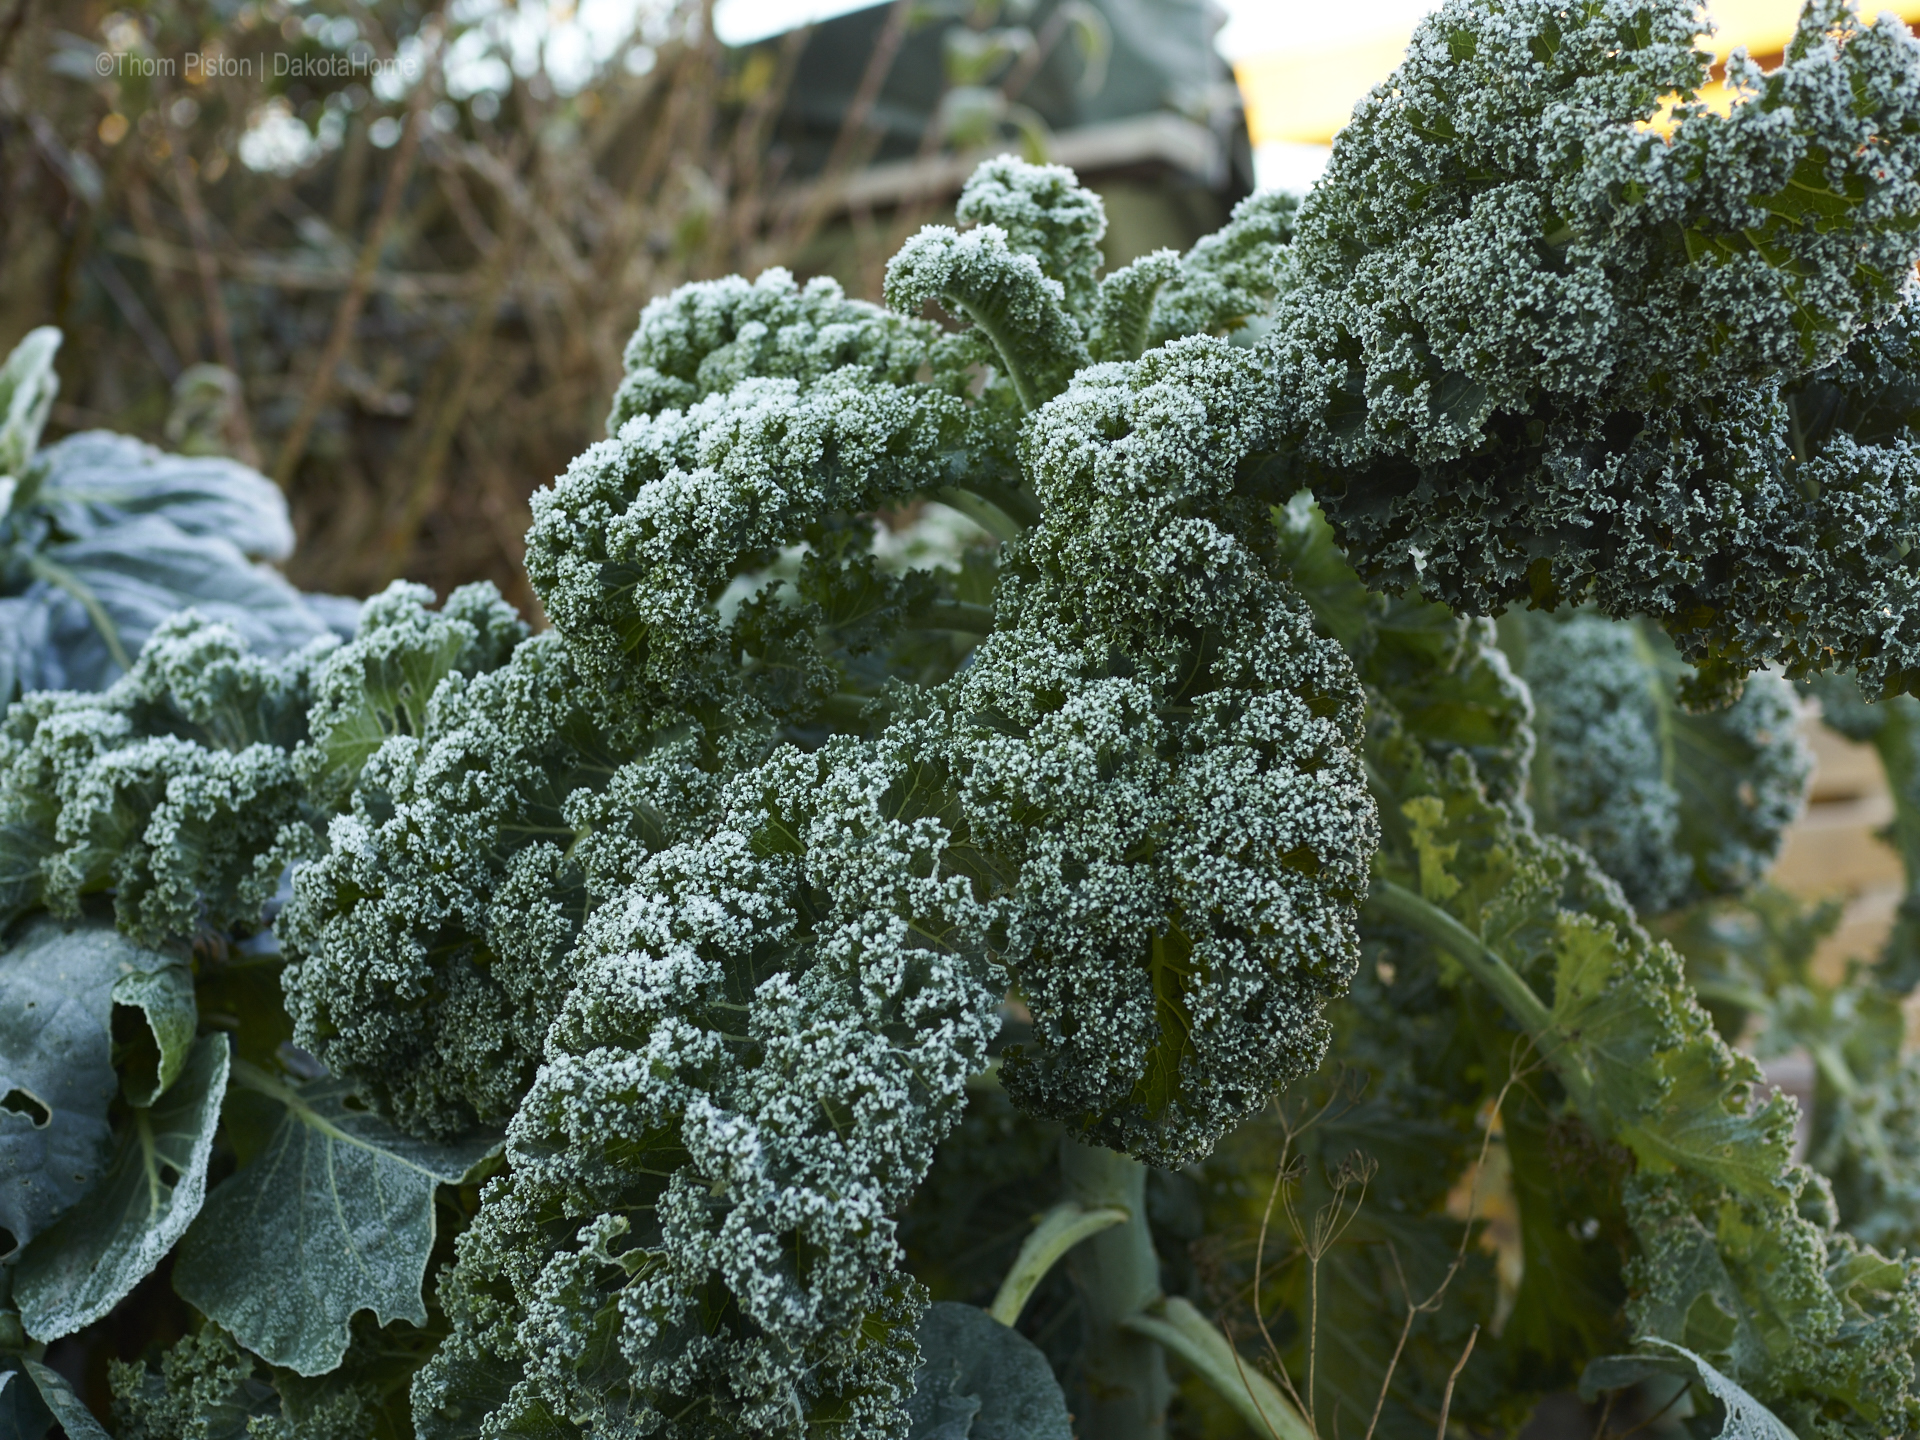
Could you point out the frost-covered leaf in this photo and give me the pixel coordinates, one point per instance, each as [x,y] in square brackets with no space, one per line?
[66,1407]
[156,1032]
[1021,310]
[23,1414]
[1673,805]
[1044,211]
[97,480]
[981,1380]
[1228,278]
[56,1064]
[27,388]
[1530,336]
[87,1262]
[332,1216]
[1747,1418]
[135,575]
[380,685]
[1124,306]
[26,642]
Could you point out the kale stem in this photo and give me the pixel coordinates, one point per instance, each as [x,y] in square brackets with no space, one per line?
[1516,997]
[1182,1329]
[1059,1230]
[1001,511]
[1513,993]
[1118,1276]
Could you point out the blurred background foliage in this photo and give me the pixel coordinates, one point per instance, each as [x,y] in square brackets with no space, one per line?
[389,251]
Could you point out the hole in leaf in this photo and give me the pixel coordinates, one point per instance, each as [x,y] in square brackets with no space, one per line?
[169,1174]
[353,1102]
[25,1102]
[136,1051]
[7,1243]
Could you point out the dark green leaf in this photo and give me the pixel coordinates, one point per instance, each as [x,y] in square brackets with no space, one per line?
[160,1014]
[335,1215]
[23,1414]
[56,1071]
[74,1417]
[981,1380]
[80,1268]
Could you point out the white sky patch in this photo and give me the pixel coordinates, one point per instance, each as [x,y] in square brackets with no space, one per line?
[1287,165]
[1254,27]
[570,40]
[742,22]
[1264,27]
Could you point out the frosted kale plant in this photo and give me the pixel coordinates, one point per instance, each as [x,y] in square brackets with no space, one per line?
[1006,902]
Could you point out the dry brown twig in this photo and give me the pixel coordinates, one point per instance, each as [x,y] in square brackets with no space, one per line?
[1330,1221]
[621,191]
[348,313]
[1287,1170]
[187,186]
[1516,1072]
[852,144]
[1446,1400]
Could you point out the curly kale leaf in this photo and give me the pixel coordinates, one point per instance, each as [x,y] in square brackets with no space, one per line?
[1138,801]
[1533,347]
[1674,806]
[709,337]
[770,1033]
[1736,1254]
[1141,614]
[429,944]
[208,1388]
[1500,224]
[1752,960]
[1045,212]
[633,545]
[1229,278]
[175,789]
[380,686]
[1005,293]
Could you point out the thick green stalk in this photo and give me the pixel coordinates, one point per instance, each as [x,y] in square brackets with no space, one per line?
[1059,1230]
[1516,997]
[1118,1275]
[1187,1333]
[1422,915]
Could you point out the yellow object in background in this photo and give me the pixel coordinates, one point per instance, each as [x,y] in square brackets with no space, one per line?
[1302,94]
